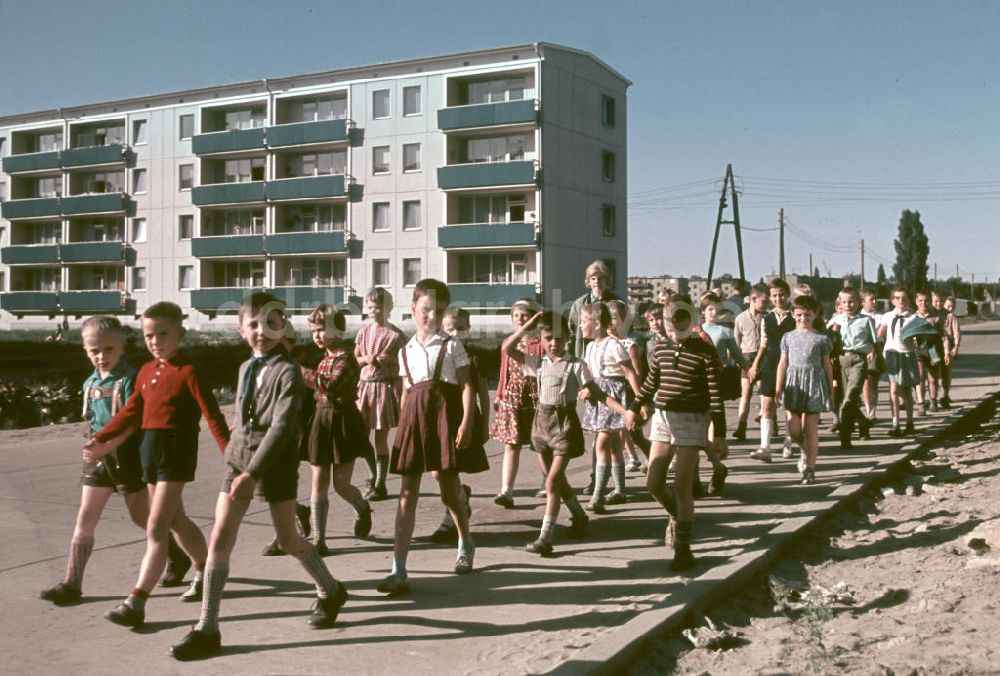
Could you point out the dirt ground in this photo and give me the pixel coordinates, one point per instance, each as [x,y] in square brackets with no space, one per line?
[906,583]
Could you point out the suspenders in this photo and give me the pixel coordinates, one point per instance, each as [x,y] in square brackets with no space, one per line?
[96,392]
[438,365]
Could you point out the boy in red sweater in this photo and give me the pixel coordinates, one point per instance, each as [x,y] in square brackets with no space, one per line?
[169,399]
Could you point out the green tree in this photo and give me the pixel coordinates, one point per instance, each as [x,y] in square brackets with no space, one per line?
[912,249]
[880,277]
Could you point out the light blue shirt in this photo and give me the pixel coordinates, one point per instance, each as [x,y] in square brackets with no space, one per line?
[725,344]
[857,333]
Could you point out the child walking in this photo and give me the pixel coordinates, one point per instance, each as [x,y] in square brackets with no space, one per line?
[169,399]
[514,408]
[773,326]
[262,459]
[870,394]
[804,382]
[900,360]
[377,350]
[857,356]
[632,440]
[104,393]
[746,333]
[338,435]
[929,350]
[952,339]
[437,418]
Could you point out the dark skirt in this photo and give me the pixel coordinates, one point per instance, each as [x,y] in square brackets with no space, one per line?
[428,425]
[338,434]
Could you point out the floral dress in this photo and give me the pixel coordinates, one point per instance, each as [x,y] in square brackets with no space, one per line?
[806,388]
[517,396]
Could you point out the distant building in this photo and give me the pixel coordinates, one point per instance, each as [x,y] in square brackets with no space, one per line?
[647,289]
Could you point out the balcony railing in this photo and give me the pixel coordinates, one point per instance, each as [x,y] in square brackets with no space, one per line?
[97,252]
[30,254]
[30,302]
[292,243]
[490,295]
[94,155]
[227,245]
[299,297]
[230,141]
[486,174]
[35,207]
[307,133]
[487,235]
[46,161]
[306,187]
[91,301]
[228,193]
[488,114]
[100,203]
[220,300]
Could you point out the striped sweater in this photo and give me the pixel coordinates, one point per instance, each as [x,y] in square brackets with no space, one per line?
[685,378]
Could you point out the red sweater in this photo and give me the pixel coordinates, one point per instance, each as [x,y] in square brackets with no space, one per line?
[169,395]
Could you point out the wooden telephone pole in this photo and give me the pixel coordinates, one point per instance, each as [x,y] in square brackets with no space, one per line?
[781,246]
[728,185]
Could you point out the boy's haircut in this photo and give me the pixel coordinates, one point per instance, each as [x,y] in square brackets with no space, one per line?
[165,310]
[654,309]
[937,293]
[618,307]
[601,311]
[779,283]
[759,290]
[327,316]
[255,303]
[850,291]
[806,302]
[867,293]
[526,303]
[902,290]
[598,267]
[554,322]
[921,293]
[100,324]
[708,299]
[380,297]
[802,290]
[435,288]
[951,298]
[458,312]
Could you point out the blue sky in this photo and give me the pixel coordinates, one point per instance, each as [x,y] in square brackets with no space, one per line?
[844,113]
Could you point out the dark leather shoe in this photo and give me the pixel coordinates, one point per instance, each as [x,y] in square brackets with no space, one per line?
[177,567]
[197,645]
[302,513]
[126,616]
[61,595]
[363,524]
[273,548]
[325,611]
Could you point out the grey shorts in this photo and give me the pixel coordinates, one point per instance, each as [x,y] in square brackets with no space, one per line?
[557,429]
[902,368]
[679,428]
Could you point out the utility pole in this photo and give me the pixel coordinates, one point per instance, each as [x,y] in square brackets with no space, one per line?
[973,285]
[781,245]
[862,265]
[728,185]
[935,272]
[809,272]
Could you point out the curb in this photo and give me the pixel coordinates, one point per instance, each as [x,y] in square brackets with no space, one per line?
[611,654]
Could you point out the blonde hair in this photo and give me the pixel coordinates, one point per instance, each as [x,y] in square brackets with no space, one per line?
[101,324]
[802,290]
[598,267]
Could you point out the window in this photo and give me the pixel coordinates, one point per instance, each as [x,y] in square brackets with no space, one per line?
[496,91]
[186,125]
[411,271]
[608,166]
[314,164]
[380,272]
[185,176]
[46,142]
[411,157]
[608,220]
[411,215]
[3,190]
[139,181]
[496,149]
[99,135]
[411,100]
[139,132]
[380,160]
[317,272]
[380,217]
[494,269]
[138,229]
[380,104]
[608,111]
[311,218]
[96,182]
[185,277]
[52,187]
[185,226]
[247,118]
[238,274]
[492,209]
[232,222]
[244,171]
[312,110]
[138,279]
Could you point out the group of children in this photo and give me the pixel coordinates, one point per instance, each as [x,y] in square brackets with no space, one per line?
[144,425]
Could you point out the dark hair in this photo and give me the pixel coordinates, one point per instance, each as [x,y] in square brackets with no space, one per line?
[554,322]
[850,291]
[779,283]
[654,308]
[328,317]
[103,324]
[165,310]
[602,312]
[256,303]
[436,289]
[759,290]
[807,303]
[708,299]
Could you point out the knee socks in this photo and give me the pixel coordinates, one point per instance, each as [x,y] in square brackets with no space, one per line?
[766,427]
[600,481]
[79,553]
[320,510]
[548,524]
[215,580]
[314,565]
[381,469]
[618,472]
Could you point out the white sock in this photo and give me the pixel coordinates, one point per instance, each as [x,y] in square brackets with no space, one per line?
[765,433]
[507,490]
[895,420]
[546,534]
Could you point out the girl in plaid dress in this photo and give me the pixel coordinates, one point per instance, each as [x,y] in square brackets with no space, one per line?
[514,408]
[376,348]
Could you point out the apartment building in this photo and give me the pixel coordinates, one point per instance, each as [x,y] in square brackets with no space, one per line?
[501,171]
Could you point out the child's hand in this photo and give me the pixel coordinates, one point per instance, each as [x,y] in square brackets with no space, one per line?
[583,395]
[94,450]
[645,412]
[752,373]
[631,421]
[464,437]
[242,488]
[777,394]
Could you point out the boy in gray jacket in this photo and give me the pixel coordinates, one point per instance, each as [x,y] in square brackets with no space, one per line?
[262,458]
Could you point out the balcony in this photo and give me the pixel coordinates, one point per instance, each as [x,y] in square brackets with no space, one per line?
[306,187]
[30,254]
[102,203]
[487,115]
[223,246]
[228,193]
[16,164]
[30,302]
[37,207]
[486,235]
[307,133]
[94,155]
[293,243]
[97,252]
[220,300]
[234,140]
[91,301]
[490,295]
[300,297]
[486,174]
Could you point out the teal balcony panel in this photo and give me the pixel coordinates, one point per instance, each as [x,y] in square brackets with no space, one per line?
[302,297]
[228,193]
[488,114]
[104,203]
[30,254]
[306,187]
[96,252]
[31,162]
[39,207]
[291,243]
[486,235]
[306,133]
[220,300]
[228,141]
[81,157]
[30,302]
[227,245]
[88,302]
[486,174]
[490,295]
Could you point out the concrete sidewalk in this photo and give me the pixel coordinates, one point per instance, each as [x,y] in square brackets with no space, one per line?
[517,613]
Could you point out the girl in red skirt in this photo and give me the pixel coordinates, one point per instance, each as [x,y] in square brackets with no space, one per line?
[338,435]
[436,427]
